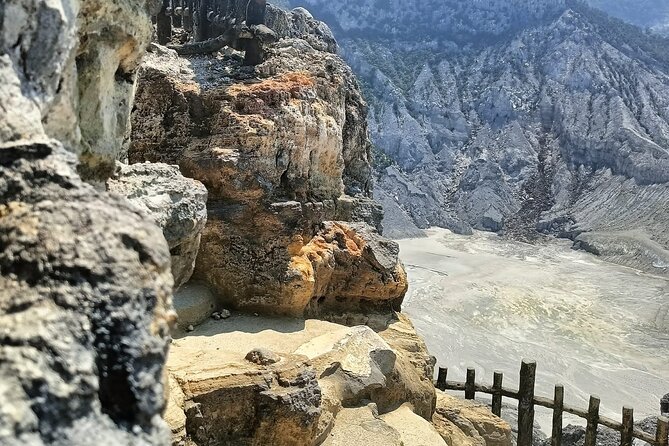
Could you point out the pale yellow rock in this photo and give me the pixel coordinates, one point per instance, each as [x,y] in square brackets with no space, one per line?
[466,435]
[471,415]
[350,364]
[411,379]
[413,430]
[211,368]
[174,414]
[362,426]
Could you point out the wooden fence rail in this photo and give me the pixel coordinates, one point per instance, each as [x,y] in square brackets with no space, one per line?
[527,401]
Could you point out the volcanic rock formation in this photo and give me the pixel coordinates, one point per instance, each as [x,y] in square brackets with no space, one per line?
[177,204]
[87,273]
[283,151]
[85,282]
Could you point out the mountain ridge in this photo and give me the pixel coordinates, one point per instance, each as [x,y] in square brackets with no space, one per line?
[530,133]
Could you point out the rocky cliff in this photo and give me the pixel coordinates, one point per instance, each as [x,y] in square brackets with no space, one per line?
[545,120]
[92,249]
[85,283]
[283,151]
[86,278]
[292,230]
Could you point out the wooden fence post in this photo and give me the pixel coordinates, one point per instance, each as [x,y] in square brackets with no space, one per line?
[164,25]
[497,379]
[662,434]
[558,409]
[528,371]
[441,378]
[177,10]
[188,15]
[627,434]
[470,386]
[593,422]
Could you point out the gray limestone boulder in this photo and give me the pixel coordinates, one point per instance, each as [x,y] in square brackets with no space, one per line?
[177,204]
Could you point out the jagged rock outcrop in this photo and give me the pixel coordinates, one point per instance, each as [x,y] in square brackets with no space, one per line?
[532,122]
[73,82]
[177,204]
[411,379]
[300,24]
[284,154]
[463,422]
[85,282]
[85,308]
[242,403]
[248,360]
[106,69]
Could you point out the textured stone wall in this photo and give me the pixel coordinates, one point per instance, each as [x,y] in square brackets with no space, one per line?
[85,282]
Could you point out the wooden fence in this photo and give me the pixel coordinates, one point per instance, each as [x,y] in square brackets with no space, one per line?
[527,401]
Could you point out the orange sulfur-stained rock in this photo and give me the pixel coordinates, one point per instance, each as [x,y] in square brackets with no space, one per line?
[283,152]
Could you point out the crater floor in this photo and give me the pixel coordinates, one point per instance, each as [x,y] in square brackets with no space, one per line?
[595,327]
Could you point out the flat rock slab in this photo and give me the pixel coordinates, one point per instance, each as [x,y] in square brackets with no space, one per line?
[362,426]
[235,337]
[413,430]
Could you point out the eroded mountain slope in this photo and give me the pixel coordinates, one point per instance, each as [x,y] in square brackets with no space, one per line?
[560,126]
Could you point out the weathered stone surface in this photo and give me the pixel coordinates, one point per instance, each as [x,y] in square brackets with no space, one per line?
[38,41]
[411,378]
[351,363]
[471,418]
[281,150]
[177,204]
[85,287]
[107,64]
[362,425]
[63,78]
[174,413]
[262,356]
[352,366]
[278,407]
[277,403]
[299,23]
[194,304]
[453,435]
[354,270]
[85,308]
[413,430]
